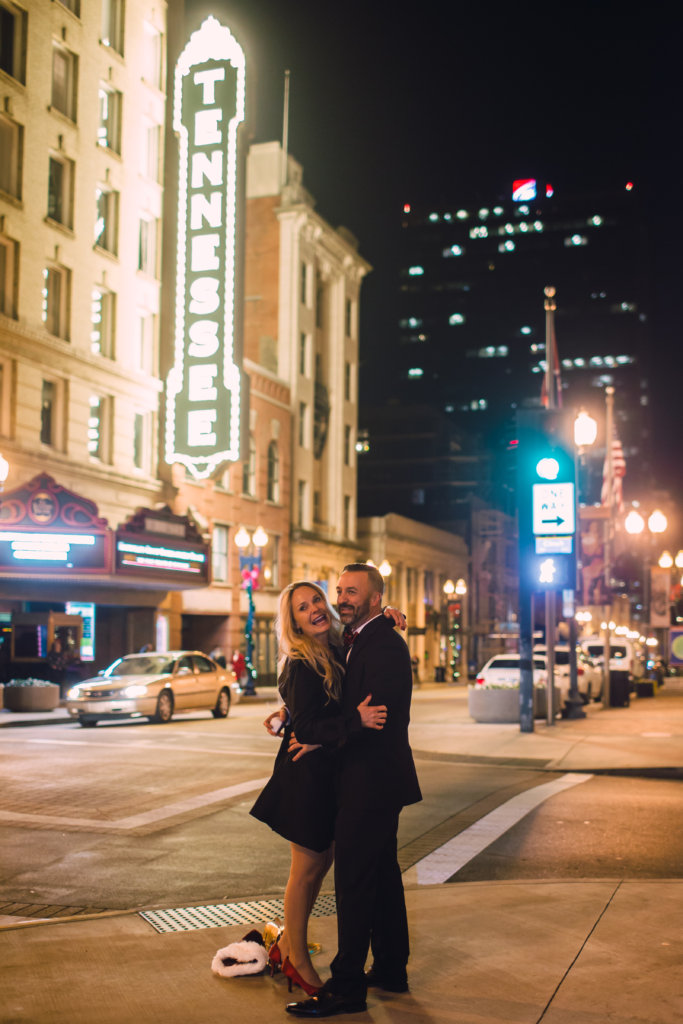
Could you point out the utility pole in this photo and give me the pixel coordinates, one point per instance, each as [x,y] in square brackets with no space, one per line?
[550,307]
[609,541]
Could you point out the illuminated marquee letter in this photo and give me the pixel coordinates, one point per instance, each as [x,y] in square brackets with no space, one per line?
[204,391]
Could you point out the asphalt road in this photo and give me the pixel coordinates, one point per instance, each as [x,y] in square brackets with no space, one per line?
[127,816]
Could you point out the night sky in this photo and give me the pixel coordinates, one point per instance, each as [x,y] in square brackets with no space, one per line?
[391,105]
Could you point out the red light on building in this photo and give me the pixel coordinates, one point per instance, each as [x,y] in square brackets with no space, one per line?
[549,191]
[629,186]
[406,207]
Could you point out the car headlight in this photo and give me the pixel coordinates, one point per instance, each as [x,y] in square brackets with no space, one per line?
[136,690]
[73,693]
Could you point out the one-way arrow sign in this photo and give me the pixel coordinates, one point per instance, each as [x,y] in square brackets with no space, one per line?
[553,509]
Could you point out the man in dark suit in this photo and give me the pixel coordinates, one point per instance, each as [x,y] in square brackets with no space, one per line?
[377,778]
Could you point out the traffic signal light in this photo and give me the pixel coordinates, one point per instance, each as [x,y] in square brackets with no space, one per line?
[546,496]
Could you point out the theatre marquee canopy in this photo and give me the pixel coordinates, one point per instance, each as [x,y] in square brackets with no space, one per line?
[47,531]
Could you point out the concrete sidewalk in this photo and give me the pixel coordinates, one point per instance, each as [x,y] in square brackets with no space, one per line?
[564,952]
[584,952]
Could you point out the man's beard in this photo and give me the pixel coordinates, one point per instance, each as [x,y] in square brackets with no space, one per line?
[358,612]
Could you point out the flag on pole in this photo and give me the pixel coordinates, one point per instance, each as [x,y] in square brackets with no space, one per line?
[616,498]
[557,378]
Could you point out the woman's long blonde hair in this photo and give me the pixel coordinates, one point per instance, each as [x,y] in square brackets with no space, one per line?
[294,645]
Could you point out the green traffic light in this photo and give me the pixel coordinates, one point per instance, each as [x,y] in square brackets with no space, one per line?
[548,469]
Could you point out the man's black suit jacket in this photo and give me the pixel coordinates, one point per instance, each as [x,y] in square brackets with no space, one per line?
[376,766]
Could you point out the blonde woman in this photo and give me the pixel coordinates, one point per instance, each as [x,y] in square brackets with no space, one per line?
[298,802]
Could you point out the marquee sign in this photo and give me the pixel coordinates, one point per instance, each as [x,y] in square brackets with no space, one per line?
[156,544]
[44,528]
[205,387]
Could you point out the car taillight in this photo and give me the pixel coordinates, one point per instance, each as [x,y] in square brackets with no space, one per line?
[579,671]
[479,681]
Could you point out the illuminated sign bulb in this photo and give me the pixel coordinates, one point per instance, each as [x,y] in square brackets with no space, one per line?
[547,570]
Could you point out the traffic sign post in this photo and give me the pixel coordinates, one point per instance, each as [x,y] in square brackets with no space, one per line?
[546,498]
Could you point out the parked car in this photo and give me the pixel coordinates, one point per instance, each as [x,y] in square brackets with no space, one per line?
[589,675]
[154,685]
[622,657]
[503,670]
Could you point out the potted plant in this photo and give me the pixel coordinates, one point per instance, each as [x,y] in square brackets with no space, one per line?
[31,695]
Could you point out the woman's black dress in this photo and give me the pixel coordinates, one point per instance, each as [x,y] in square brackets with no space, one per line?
[298,802]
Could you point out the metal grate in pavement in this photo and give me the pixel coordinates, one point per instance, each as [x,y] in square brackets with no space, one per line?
[187,919]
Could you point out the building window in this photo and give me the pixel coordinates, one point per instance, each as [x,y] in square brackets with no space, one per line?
[144,342]
[151,152]
[304,284]
[5,397]
[102,322]
[348,320]
[317,507]
[301,504]
[219,553]
[303,354]
[107,216]
[112,24]
[270,568]
[109,126]
[249,470]
[13,41]
[347,515]
[72,5]
[142,441]
[60,190]
[55,311]
[303,426]
[347,381]
[64,81]
[98,427]
[9,264]
[273,489]
[138,440]
[347,445]
[48,412]
[429,587]
[11,147]
[147,246]
[151,57]
[319,302]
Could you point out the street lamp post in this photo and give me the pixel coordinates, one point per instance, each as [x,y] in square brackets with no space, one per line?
[250,570]
[585,433]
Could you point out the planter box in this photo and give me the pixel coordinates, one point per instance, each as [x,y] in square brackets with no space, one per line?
[541,701]
[31,698]
[503,705]
[493,705]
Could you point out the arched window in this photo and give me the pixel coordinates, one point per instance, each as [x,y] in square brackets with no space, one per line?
[249,470]
[273,472]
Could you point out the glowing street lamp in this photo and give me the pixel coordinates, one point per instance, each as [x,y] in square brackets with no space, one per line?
[665,560]
[634,523]
[384,569]
[657,523]
[585,430]
[250,569]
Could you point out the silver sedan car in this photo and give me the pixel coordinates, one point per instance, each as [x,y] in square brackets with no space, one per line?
[154,686]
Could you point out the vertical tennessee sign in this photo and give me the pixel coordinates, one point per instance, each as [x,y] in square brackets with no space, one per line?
[204,388]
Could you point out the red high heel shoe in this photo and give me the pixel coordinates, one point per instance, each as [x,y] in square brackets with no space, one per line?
[294,978]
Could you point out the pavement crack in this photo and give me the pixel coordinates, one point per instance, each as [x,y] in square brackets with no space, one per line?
[580,951]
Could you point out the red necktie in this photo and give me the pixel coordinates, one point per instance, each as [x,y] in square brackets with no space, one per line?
[348,636]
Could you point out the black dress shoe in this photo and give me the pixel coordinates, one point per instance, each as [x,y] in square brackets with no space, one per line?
[326,1004]
[387,982]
